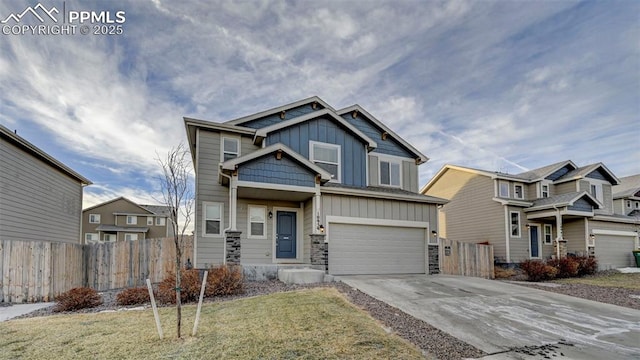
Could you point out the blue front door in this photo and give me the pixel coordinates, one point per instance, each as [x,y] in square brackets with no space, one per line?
[286,235]
[535,242]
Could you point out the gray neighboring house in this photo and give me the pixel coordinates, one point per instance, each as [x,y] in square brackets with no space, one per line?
[307,185]
[555,210]
[626,196]
[40,197]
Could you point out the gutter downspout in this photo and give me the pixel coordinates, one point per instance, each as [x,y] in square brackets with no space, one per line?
[224,231]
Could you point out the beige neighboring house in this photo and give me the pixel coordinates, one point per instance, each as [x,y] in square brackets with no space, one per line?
[121,219]
[551,211]
[626,196]
[40,197]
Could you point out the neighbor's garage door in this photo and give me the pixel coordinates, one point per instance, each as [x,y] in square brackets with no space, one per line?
[369,249]
[614,251]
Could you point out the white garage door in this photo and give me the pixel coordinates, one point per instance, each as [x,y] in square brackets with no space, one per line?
[614,251]
[369,249]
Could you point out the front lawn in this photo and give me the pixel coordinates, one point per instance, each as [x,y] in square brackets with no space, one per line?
[609,279]
[310,324]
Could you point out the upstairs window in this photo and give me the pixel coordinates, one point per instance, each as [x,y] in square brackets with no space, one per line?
[548,236]
[518,191]
[596,191]
[230,148]
[160,221]
[390,173]
[544,190]
[94,218]
[132,220]
[503,189]
[327,157]
[149,220]
[515,224]
[212,218]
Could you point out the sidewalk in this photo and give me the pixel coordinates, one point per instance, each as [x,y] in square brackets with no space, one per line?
[11,311]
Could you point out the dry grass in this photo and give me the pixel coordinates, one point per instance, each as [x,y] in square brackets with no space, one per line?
[502,273]
[309,324]
[614,279]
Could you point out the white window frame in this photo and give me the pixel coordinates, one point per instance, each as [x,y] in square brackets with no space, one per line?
[390,161]
[94,218]
[161,221]
[149,220]
[541,194]
[204,218]
[264,222]
[132,220]
[131,236]
[338,177]
[547,230]
[110,237]
[222,150]
[628,202]
[93,237]
[519,225]
[500,188]
[515,193]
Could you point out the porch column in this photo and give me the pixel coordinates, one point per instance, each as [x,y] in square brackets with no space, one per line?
[316,212]
[233,202]
[561,243]
[232,247]
[318,251]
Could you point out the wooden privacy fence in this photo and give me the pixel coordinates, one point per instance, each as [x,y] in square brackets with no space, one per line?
[129,263]
[34,271]
[467,259]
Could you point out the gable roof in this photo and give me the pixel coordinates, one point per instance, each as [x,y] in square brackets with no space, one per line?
[158,209]
[41,155]
[278,109]
[262,133]
[543,172]
[114,200]
[583,171]
[562,200]
[490,174]
[233,163]
[420,157]
[629,186]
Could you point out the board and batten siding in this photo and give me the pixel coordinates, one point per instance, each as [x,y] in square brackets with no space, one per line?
[36,200]
[276,119]
[471,215]
[352,151]
[268,169]
[388,146]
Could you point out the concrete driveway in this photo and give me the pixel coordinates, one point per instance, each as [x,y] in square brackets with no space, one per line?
[510,321]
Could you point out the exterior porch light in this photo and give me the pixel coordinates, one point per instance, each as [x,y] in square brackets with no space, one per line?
[321,228]
[270,215]
[434,233]
[528,226]
[592,237]
[282,113]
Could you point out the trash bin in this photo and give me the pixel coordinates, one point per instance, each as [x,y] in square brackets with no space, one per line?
[636,255]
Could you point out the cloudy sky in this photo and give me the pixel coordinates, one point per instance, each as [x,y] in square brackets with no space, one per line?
[498,85]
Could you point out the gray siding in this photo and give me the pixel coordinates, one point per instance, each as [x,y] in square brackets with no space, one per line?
[471,215]
[581,205]
[275,119]
[519,246]
[564,188]
[388,146]
[573,233]
[268,169]
[37,202]
[352,150]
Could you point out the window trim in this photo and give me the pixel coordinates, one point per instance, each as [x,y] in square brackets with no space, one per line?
[519,225]
[515,193]
[390,161]
[222,151]
[264,222]
[204,218]
[150,220]
[545,233]
[542,185]
[97,237]
[158,220]
[130,235]
[132,217]
[338,177]
[115,237]
[95,216]
[500,183]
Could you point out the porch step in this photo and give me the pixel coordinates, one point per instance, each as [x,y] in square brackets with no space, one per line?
[301,276]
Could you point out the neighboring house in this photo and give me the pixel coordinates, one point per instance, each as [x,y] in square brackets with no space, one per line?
[121,219]
[554,210]
[626,196]
[304,184]
[40,198]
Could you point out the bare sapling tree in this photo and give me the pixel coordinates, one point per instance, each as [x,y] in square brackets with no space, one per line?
[178,196]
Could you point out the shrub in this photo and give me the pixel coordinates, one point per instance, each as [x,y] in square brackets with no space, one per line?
[224,280]
[536,270]
[586,265]
[77,298]
[567,267]
[189,284]
[133,296]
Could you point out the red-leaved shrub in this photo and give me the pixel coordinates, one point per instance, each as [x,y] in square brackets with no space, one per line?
[537,270]
[77,298]
[567,267]
[133,296]
[586,265]
[224,280]
[189,285]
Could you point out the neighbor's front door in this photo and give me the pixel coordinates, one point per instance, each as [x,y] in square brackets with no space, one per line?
[286,235]
[535,241]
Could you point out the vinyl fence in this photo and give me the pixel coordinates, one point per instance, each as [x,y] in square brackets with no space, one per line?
[467,259]
[34,271]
